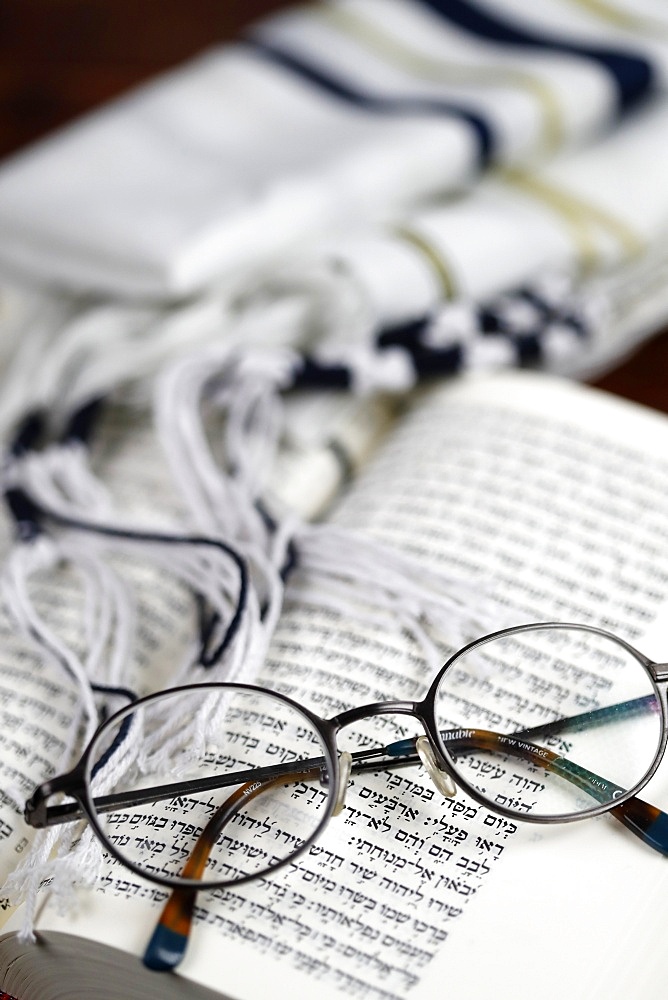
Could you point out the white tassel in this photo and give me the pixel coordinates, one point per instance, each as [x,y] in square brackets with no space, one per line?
[66,859]
[21,384]
[244,392]
[60,478]
[360,577]
[225,502]
[23,883]
[142,343]
[24,561]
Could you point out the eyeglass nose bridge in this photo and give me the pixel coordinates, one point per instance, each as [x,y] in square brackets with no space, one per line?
[441,779]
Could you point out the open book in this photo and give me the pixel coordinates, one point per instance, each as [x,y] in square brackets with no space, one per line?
[547,500]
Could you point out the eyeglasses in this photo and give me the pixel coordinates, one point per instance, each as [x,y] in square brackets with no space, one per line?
[211,785]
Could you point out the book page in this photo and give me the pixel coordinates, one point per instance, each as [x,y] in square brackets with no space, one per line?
[38,711]
[552,499]
[551,493]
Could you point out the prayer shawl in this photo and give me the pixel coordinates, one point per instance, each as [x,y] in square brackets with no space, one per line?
[344,111]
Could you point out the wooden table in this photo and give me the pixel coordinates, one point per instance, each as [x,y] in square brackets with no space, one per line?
[59,58]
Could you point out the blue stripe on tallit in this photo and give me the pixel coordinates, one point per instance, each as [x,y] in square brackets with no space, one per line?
[348,92]
[633,75]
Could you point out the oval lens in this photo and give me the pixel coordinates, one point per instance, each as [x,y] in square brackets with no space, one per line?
[210,785]
[551,721]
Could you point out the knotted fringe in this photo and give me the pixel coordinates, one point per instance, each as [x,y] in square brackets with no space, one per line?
[337,569]
[207,566]
[234,650]
[224,496]
[108,618]
[71,352]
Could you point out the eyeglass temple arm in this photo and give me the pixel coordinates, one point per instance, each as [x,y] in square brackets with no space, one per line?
[647,822]
[644,820]
[169,940]
[38,814]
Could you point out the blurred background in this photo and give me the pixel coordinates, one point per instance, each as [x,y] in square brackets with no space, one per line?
[61,58]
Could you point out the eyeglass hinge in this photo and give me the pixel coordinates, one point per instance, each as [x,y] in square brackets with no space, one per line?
[660,671]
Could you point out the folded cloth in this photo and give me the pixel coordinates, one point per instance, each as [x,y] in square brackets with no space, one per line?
[339,112]
[580,214]
[341,301]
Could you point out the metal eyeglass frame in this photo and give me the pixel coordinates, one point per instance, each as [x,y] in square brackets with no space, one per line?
[334,769]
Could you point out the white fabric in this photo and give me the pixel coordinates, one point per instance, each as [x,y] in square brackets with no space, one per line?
[215,167]
[339,292]
[502,235]
[388,47]
[621,22]
[225,162]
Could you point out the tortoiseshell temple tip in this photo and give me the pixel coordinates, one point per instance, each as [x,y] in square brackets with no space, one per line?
[646,821]
[165,950]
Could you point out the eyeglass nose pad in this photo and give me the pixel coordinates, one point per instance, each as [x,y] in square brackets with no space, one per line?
[440,778]
[345,767]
